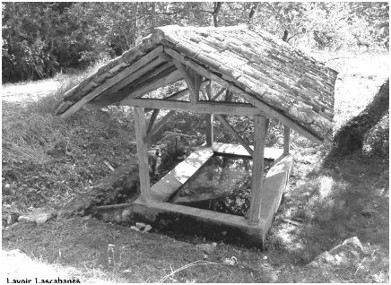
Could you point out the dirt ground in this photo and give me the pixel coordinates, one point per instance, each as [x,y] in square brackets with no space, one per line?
[328,200]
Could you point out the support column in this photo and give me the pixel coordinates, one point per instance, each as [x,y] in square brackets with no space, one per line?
[260,129]
[209,118]
[142,153]
[287,134]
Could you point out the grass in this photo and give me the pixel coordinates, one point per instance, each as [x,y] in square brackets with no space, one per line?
[48,161]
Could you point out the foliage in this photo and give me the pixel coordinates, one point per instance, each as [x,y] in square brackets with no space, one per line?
[42,38]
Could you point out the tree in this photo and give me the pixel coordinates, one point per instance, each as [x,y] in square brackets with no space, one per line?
[351,136]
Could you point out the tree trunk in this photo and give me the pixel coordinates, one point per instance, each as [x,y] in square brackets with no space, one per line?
[120,186]
[351,136]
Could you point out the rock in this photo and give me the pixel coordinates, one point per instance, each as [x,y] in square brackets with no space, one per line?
[207,248]
[86,218]
[39,216]
[147,228]
[25,219]
[230,261]
[12,218]
[348,252]
[141,225]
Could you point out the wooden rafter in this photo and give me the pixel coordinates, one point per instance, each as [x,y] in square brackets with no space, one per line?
[232,131]
[148,67]
[112,81]
[269,111]
[153,85]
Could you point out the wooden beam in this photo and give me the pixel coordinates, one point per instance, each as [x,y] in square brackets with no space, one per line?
[152,120]
[157,127]
[153,85]
[193,81]
[209,118]
[155,74]
[142,154]
[269,111]
[136,75]
[287,133]
[260,129]
[207,107]
[112,81]
[231,130]
[218,94]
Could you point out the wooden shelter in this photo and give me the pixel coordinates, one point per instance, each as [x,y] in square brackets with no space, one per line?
[262,77]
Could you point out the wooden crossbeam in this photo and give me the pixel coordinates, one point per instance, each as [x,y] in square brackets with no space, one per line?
[112,81]
[207,107]
[260,129]
[231,130]
[269,111]
[142,154]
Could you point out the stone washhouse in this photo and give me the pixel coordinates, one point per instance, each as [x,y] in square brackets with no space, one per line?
[264,77]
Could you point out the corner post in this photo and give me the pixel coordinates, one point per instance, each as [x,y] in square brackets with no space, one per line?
[209,118]
[142,153]
[260,129]
[287,133]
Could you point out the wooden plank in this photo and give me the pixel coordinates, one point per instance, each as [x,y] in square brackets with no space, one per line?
[153,119]
[260,128]
[142,154]
[157,127]
[287,133]
[112,81]
[237,149]
[161,82]
[209,118]
[231,130]
[239,109]
[269,111]
[166,187]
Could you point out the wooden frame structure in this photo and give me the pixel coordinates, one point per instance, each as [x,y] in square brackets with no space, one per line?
[268,78]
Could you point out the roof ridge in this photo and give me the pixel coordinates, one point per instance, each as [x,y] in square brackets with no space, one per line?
[176,28]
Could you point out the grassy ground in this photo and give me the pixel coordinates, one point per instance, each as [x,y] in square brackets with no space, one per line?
[48,161]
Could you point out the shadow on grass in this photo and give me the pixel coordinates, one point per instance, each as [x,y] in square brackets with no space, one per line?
[340,197]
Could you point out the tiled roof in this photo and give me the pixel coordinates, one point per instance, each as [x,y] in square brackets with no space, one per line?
[268,69]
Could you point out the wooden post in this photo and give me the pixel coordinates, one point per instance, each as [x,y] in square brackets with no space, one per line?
[142,153]
[209,118]
[193,81]
[260,129]
[287,133]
